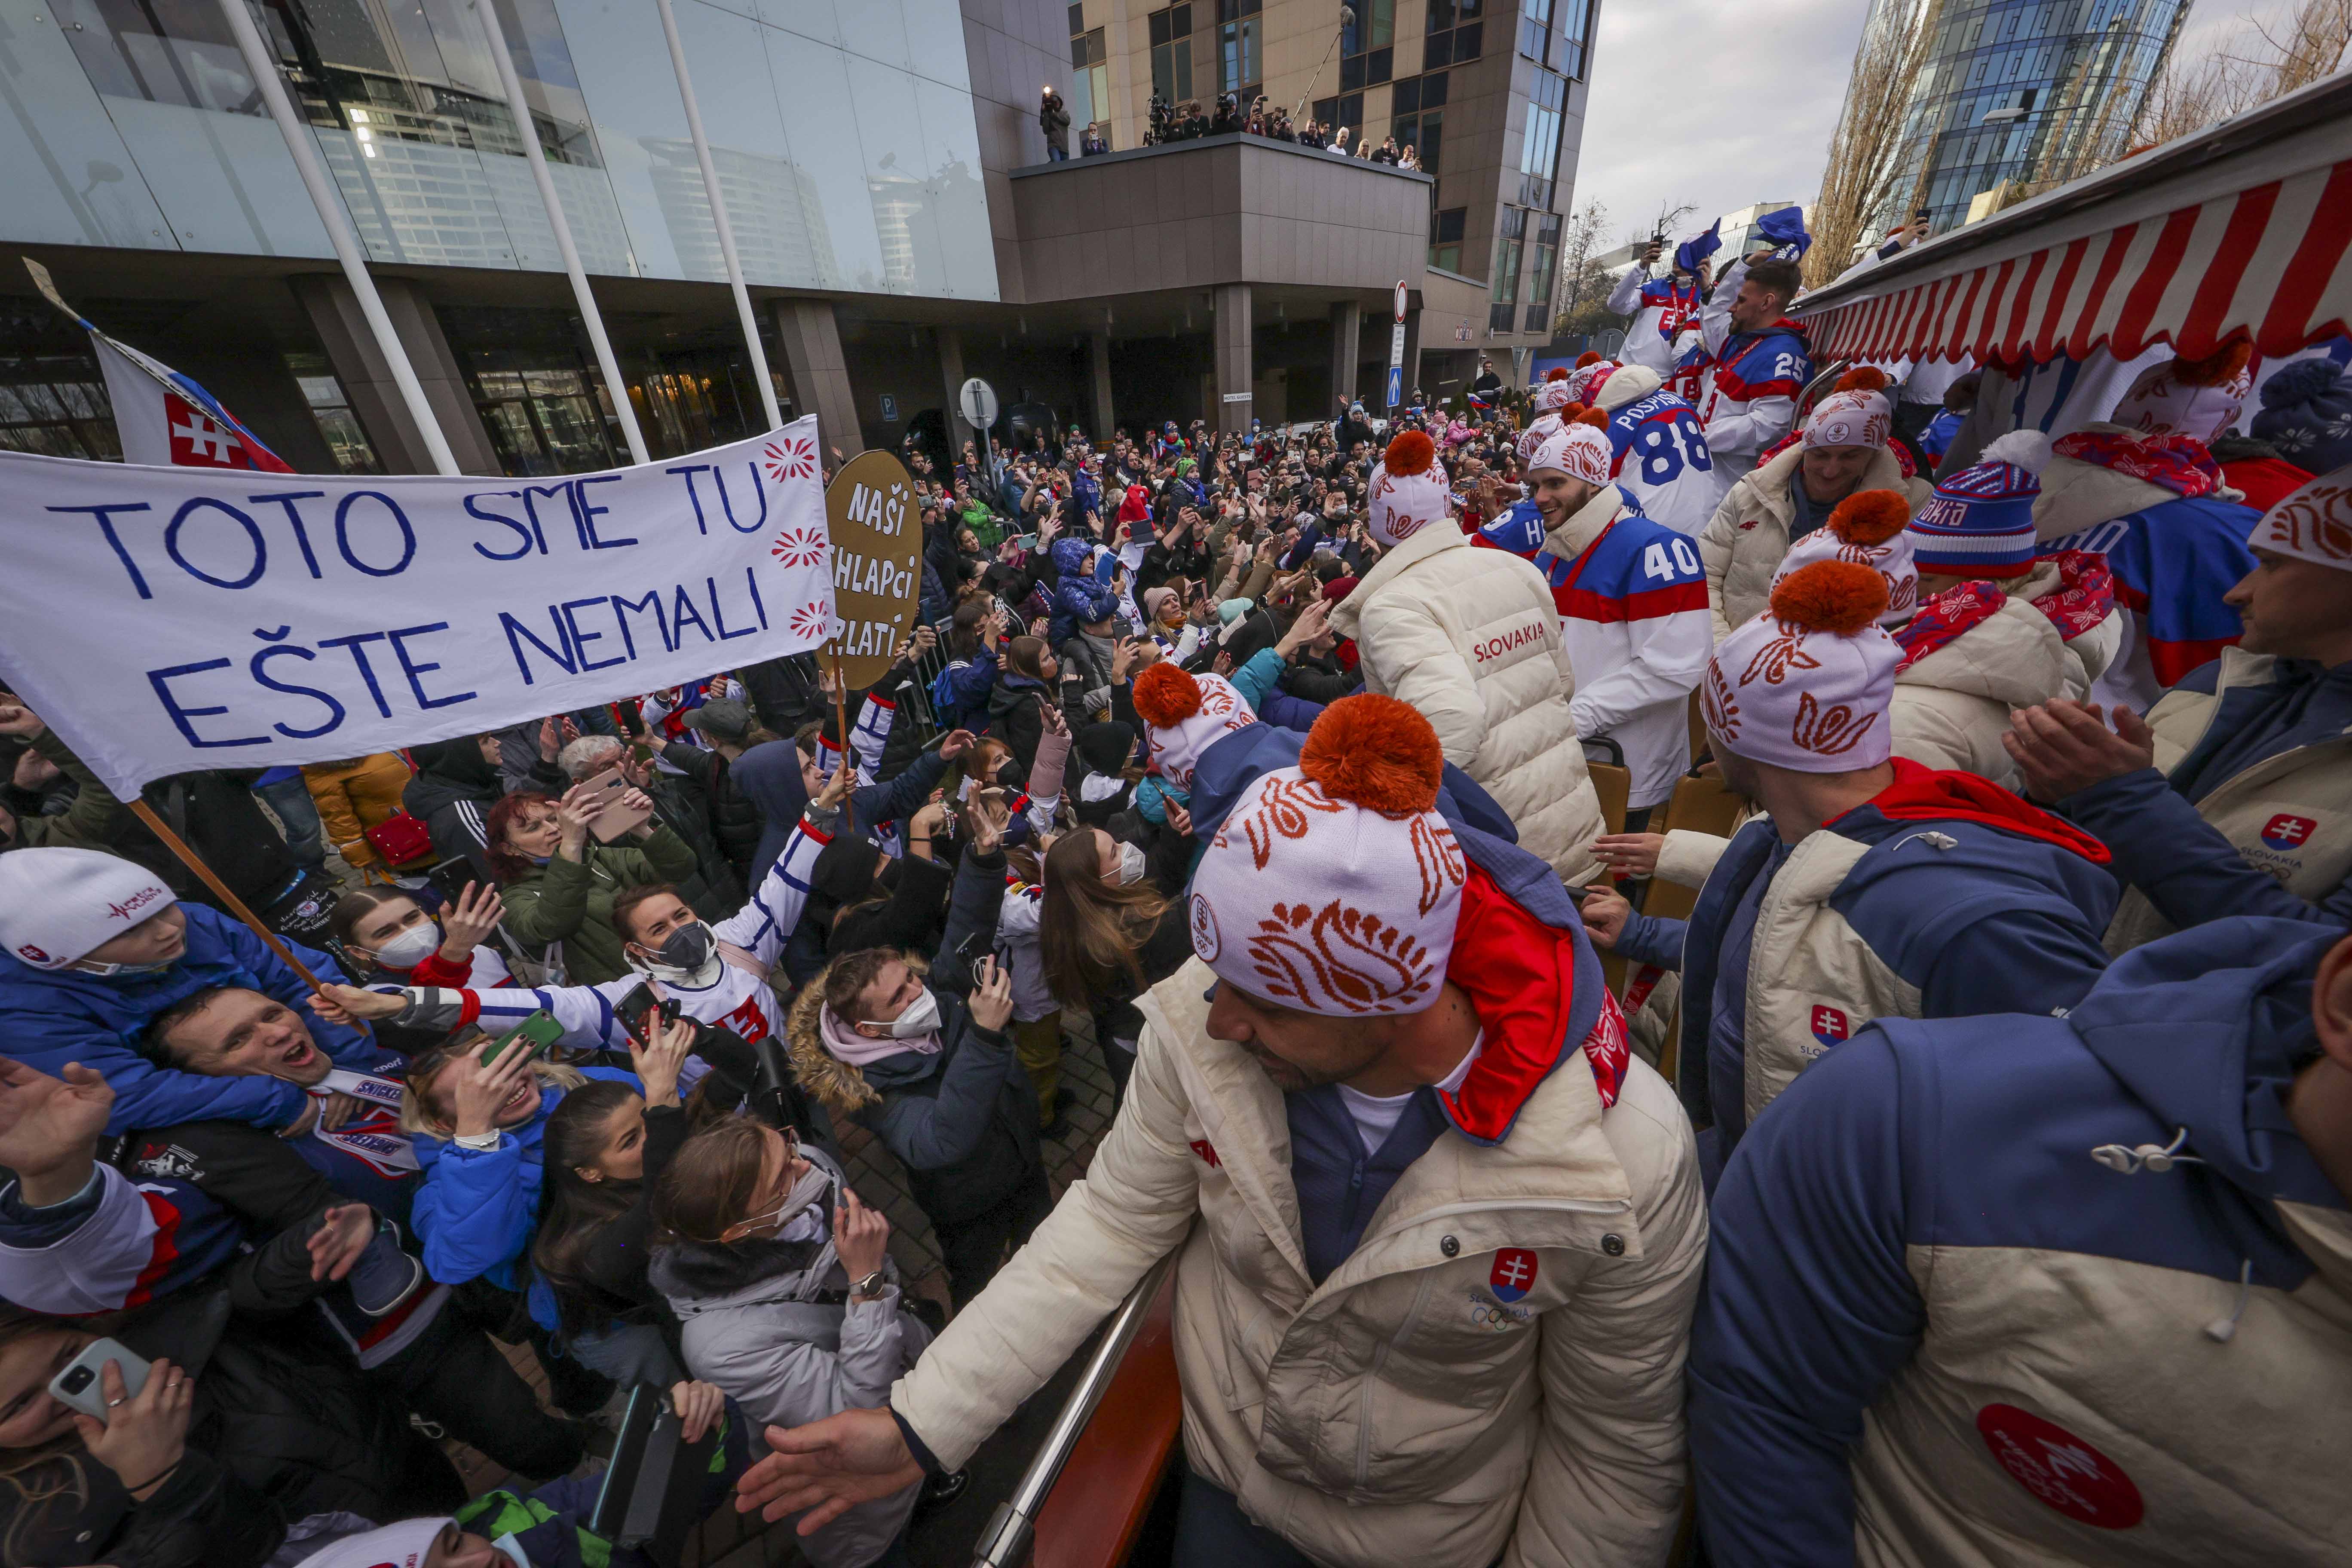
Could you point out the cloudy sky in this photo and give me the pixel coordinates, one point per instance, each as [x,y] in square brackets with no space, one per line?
[1694,100]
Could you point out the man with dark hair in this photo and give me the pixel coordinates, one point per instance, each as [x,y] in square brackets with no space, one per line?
[1751,364]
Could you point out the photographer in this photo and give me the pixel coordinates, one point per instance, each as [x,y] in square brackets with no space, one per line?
[1053,118]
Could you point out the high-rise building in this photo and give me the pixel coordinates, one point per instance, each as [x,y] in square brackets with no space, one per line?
[2032,92]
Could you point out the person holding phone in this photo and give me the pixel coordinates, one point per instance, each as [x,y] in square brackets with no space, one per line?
[559,883]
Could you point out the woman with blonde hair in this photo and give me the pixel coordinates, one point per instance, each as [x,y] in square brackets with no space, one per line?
[1112,926]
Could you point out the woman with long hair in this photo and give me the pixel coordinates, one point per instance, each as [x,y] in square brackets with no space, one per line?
[388,935]
[606,1146]
[1026,685]
[1113,926]
[788,1301]
[558,883]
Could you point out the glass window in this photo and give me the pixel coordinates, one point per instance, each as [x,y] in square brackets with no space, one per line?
[1576,27]
[1422,132]
[1171,53]
[1378,66]
[1539,148]
[1534,29]
[330,406]
[1502,315]
[1446,232]
[1542,275]
[1089,79]
[544,408]
[1239,68]
[1369,26]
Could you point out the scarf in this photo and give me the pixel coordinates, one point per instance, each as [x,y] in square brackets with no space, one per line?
[2084,598]
[373,1137]
[2176,463]
[1929,794]
[845,1044]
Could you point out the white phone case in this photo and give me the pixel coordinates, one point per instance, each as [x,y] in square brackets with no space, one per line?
[81,1385]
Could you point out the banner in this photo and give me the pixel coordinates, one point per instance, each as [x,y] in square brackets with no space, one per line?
[163,620]
[878,561]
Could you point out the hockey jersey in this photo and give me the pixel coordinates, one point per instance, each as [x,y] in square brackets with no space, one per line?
[1632,614]
[1661,459]
[1520,531]
[1748,381]
[1660,309]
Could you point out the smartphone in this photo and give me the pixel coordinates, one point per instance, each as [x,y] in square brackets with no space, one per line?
[540,1032]
[633,1010]
[78,1386]
[605,792]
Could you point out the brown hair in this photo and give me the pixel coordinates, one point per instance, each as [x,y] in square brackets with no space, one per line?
[846,977]
[357,903]
[1777,276]
[416,1114]
[710,1182]
[1090,931]
[572,1210]
[1026,655]
[626,902]
[53,1473]
[505,864]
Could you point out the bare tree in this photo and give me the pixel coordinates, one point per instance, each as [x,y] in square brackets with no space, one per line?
[1866,153]
[2257,67]
[1586,290]
[2314,47]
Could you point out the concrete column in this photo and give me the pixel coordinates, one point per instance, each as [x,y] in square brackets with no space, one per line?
[1105,421]
[334,312]
[1347,346]
[951,379]
[1412,352]
[1236,371]
[812,341]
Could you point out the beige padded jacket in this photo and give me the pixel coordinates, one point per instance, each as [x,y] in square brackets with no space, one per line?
[1743,543]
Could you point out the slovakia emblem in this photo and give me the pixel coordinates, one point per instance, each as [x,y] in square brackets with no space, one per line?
[1830,1026]
[1514,1274]
[2285,831]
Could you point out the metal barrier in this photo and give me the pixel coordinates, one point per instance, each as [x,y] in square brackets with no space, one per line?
[1005,1542]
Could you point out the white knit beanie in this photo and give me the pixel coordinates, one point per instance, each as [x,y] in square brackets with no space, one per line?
[1614,387]
[1867,529]
[1408,489]
[1580,451]
[1334,886]
[401,1545]
[1183,715]
[1532,438]
[1851,419]
[1805,686]
[2198,398]
[58,905]
[2313,524]
[1554,395]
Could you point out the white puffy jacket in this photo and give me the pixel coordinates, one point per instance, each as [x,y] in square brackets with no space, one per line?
[1471,638]
[1743,545]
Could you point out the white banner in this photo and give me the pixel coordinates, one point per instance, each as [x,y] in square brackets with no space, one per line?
[163,620]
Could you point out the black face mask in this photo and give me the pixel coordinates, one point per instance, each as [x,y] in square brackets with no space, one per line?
[687,947]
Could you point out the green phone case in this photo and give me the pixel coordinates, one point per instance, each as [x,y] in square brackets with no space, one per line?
[540,1029]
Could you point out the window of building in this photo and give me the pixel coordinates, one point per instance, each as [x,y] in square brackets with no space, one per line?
[1239,68]
[1575,37]
[1534,29]
[1367,45]
[1543,276]
[1446,239]
[1347,110]
[1502,315]
[1171,53]
[1089,77]
[1540,150]
[56,405]
[330,406]
[540,398]
[1456,33]
[1419,117]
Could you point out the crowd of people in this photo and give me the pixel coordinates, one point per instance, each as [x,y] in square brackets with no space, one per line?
[1966,1177]
[1166,121]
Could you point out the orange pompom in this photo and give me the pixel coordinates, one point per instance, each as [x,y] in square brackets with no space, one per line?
[2221,366]
[1597,418]
[1410,453]
[1839,596]
[1569,411]
[1375,752]
[1861,378]
[1586,358]
[1870,517]
[1557,373]
[1165,695]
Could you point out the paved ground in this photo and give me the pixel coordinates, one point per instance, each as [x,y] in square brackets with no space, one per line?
[732,1540]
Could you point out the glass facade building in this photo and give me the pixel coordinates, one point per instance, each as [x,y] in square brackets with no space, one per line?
[2035,91]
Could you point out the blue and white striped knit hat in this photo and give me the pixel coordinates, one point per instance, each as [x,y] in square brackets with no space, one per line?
[1980,520]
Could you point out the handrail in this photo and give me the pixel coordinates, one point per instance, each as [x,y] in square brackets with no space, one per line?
[1005,1542]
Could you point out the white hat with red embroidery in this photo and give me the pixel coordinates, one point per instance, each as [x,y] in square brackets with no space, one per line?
[2195,398]
[1531,439]
[2313,524]
[1580,449]
[1805,686]
[1408,489]
[1183,715]
[1855,418]
[1867,529]
[58,905]
[403,1545]
[1334,886]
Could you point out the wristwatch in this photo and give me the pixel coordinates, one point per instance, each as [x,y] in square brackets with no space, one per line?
[870,1286]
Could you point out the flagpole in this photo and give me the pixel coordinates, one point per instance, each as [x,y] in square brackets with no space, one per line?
[178,846]
[329,204]
[719,220]
[521,109]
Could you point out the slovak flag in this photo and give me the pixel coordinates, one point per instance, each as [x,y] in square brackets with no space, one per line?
[165,419]
[2286,831]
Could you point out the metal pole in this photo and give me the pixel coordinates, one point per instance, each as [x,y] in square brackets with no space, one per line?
[719,220]
[329,202]
[605,362]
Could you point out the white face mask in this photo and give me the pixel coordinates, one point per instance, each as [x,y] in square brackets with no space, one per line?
[922,1017]
[1131,864]
[122,971]
[407,949]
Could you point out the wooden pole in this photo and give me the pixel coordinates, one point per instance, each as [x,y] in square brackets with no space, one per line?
[178,846]
[841,728]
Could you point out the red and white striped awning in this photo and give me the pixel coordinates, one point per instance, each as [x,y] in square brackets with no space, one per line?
[2241,231]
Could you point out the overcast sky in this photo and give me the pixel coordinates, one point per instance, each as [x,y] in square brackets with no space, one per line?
[1694,100]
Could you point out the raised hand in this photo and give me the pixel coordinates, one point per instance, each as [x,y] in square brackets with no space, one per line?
[349,1005]
[467,922]
[50,1124]
[659,1062]
[827,1468]
[481,1091]
[343,1233]
[991,996]
[861,1237]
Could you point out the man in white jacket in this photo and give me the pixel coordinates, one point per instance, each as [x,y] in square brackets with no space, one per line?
[1754,363]
[1438,1234]
[1660,309]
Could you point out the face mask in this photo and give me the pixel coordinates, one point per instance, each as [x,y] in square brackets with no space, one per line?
[1131,864]
[922,1017]
[124,971]
[407,949]
[687,947]
[793,1218]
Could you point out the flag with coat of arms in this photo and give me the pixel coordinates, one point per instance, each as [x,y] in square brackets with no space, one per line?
[163,417]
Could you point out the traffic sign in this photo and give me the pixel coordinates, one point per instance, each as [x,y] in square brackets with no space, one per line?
[1400,300]
[1396,384]
[978,401]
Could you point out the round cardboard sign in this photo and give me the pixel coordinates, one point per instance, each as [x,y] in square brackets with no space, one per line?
[877,531]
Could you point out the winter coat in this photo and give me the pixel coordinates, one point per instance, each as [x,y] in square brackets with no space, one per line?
[60,1015]
[2264,830]
[451,793]
[475,1211]
[1951,707]
[1742,545]
[728,820]
[218,817]
[769,1322]
[683,804]
[1748,383]
[1014,716]
[1471,638]
[1078,599]
[960,692]
[1957,1312]
[1633,619]
[1660,310]
[1940,898]
[354,797]
[768,777]
[1055,119]
[1493,1375]
[94,820]
[570,901]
